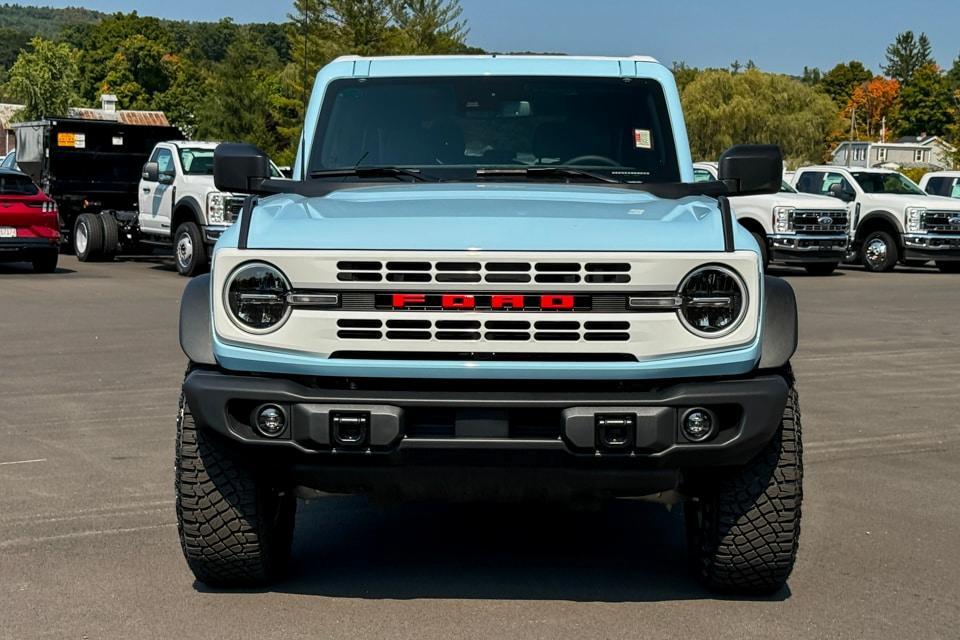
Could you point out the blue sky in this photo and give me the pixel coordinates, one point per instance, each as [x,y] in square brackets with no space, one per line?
[777,35]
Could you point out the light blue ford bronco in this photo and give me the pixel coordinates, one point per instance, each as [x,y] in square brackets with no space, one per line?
[493,279]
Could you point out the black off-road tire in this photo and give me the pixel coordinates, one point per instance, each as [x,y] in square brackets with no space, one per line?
[190,262]
[89,226]
[743,536]
[236,527]
[46,261]
[111,236]
[821,268]
[948,267]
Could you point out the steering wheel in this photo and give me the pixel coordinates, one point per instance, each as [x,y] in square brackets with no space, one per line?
[593,160]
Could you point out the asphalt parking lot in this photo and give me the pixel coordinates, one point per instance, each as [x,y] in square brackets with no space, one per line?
[88,545]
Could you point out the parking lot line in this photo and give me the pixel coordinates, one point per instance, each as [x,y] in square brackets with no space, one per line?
[4,464]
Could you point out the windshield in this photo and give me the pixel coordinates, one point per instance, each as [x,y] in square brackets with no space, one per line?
[16,185]
[196,162]
[890,183]
[447,128]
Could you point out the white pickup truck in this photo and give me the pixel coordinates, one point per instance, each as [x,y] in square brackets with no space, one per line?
[790,227]
[942,183]
[894,220]
[178,206]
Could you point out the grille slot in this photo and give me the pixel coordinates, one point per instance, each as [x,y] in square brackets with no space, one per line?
[492,272]
[489,331]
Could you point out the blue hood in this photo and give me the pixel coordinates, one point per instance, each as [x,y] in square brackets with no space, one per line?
[491,217]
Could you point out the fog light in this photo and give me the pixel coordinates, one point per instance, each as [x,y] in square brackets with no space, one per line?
[271,421]
[698,425]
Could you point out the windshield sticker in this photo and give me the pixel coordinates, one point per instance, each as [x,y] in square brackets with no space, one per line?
[642,139]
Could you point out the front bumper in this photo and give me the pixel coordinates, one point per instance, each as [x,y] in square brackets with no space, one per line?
[807,248]
[212,233]
[13,249]
[931,246]
[479,423]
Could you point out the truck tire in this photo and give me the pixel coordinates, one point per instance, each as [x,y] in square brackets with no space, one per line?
[879,252]
[743,535]
[189,252]
[111,236]
[948,267]
[236,528]
[46,261]
[821,268]
[764,250]
[88,237]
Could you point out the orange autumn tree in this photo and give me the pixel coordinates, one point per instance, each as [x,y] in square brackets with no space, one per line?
[871,103]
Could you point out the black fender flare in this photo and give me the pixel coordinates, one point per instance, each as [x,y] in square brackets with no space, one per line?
[886,216]
[780,323]
[196,332]
[188,202]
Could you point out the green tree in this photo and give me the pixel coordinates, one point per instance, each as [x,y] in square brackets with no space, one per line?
[12,42]
[839,82]
[723,109]
[431,26]
[926,104]
[44,78]
[137,72]
[811,76]
[953,75]
[906,55]
[683,74]
[240,91]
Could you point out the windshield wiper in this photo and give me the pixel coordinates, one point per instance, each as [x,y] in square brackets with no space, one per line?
[547,172]
[370,172]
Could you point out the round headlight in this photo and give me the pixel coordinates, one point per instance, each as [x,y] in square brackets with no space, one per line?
[714,301]
[256,297]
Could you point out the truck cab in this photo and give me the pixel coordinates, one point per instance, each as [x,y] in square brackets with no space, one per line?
[942,183]
[180,205]
[894,220]
[495,280]
[790,227]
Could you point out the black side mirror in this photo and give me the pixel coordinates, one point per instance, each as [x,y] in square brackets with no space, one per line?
[240,168]
[837,191]
[151,172]
[752,169]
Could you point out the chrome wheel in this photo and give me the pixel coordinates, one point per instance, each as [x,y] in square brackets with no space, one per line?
[875,253]
[184,250]
[82,239]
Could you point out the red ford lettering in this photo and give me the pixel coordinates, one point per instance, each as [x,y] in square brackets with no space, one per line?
[401,300]
[557,303]
[458,302]
[507,302]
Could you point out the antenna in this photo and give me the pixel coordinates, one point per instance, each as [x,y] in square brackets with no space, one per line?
[306,96]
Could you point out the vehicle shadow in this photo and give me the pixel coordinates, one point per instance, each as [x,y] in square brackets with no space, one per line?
[27,269]
[626,552]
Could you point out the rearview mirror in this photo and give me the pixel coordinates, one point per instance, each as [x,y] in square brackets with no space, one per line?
[752,169]
[240,168]
[151,172]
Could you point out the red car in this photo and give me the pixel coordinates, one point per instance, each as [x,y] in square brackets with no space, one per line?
[29,224]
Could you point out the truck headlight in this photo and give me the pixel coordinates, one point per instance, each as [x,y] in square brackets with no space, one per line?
[216,208]
[915,217]
[714,301]
[256,297]
[782,219]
